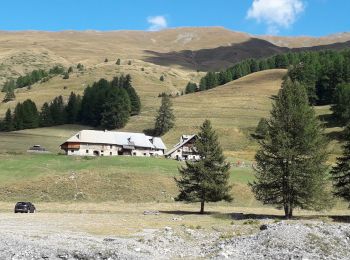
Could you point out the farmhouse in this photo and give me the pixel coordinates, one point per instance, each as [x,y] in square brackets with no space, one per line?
[108,143]
[185,149]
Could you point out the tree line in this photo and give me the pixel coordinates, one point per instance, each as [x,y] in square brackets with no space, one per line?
[34,77]
[105,104]
[320,71]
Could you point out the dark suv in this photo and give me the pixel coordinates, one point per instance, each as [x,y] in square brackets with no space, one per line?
[24,207]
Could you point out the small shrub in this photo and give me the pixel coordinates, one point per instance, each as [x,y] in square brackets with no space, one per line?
[251,222]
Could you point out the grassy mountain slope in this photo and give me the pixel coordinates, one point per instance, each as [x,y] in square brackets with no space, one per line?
[234,108]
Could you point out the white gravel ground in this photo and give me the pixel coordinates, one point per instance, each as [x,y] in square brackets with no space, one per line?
[281,240]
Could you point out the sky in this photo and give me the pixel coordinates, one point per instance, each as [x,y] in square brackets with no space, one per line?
[275,17]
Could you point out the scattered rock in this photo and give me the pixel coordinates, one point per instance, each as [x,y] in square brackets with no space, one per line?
[168,229]
[263,227]
[151,212]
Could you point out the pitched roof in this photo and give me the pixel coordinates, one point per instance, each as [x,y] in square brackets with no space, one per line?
[117,138]
[178,145]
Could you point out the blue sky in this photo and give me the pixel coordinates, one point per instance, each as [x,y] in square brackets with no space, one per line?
[280,17]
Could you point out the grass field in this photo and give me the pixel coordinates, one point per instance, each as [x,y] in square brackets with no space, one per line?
[130,179]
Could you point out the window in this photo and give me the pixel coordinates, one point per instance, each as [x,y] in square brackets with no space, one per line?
[133,153]
[101,151]
[87,151]
[72,151]
[144,154]
[110,153]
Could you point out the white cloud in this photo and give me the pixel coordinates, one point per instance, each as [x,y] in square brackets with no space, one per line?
[276,13]
[157,23]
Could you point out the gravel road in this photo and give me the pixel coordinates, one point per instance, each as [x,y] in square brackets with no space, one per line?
[28,239]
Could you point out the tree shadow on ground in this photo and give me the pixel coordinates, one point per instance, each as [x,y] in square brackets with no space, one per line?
[246,216]
[243,216]
[185,212]
[329,121]
[149,131]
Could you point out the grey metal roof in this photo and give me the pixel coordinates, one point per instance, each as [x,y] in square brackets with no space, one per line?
[178,145]
[117,138]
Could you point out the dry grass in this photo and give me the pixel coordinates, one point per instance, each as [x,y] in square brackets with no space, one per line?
[125,219]
[234,108]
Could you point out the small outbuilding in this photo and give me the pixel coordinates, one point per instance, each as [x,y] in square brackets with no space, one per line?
[185,149]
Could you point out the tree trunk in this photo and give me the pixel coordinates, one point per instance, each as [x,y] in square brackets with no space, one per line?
[202,207]
[286,211]
[290,214]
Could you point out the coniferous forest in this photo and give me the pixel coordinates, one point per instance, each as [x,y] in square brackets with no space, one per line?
[320,71]
[104,104]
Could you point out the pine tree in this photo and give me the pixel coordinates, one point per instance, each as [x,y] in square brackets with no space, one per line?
[116,110]
[57,111]
[73,108]
[80,66]
[10,95]
[341,107]
[291,169]
[118,62]
[8,85]
[66,75]
[341,172]
[191,88]
[45,118]
[262,128]
[8,121]
[161,78]
[18,117]
[165,118]
[30,115]
[205,180]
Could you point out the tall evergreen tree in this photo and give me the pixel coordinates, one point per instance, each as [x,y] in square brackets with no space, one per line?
[191,88]
[126,83]
[73,108]
[341,172]
[10,95]
[291,161]
[205,180]
[57,111]
[30,115]
[8,121]
[341,106]
[45,118]
[18,117]
[116,109]
[8,85]
[165,117]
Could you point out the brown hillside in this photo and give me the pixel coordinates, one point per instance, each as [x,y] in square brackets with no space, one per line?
[24,51]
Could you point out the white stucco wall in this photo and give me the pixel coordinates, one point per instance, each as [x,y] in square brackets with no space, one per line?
[110,150]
